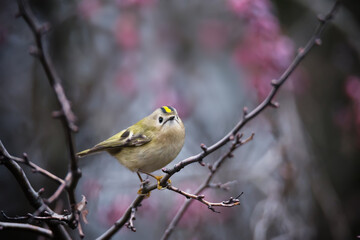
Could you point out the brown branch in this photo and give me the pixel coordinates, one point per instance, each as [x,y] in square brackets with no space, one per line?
[32,196]
[130,223]
[59,190]
[123,220]
[206,184]
[268,101]
[247,116]
[201,198]
[26,227]
[41,52]
[66,114]
[224,186]
[46,218]
[25,160]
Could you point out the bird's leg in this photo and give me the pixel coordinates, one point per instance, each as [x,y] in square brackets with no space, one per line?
[158,179]
[143,183]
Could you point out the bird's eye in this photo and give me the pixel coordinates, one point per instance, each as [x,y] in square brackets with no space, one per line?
[160,119]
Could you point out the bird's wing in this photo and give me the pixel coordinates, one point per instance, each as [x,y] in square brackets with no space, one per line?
[125,138]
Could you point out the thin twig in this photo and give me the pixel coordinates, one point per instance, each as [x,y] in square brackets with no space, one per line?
[26,227]
[59,190]
[224,186]
[47,218]
[33,197]
[206,184]
[66,114]
[123,220]
[201,198]
[130,224]
[268,101]
[25,160]
[41,52]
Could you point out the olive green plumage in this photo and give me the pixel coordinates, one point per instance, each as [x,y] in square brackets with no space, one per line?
[149,144]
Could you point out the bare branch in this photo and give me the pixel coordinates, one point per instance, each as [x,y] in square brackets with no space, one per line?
[25,160]
[48,217]
[41,52]
[123,220]
[33,197]
[66,114]
[130,224]
[26,227]
[224,186]
[201,198]
[268,101]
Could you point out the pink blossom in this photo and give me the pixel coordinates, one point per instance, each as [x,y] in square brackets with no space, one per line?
[126,31]
[264,51]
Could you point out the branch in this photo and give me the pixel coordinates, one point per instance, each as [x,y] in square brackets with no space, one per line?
[123,220]
[25,160]
[41,52]
[206,184]
[268,101]
[26,227]
[201,198]
[130,224]
[33,197]
[47,218]
[66,114]
[224,186]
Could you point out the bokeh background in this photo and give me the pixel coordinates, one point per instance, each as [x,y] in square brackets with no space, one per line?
[121,59]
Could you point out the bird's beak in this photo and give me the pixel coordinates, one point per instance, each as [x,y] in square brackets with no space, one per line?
[171,118]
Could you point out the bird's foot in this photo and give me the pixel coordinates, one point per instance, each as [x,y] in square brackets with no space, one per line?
[158,179]
[140,192]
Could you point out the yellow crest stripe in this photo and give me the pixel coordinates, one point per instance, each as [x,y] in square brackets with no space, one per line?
[167,109]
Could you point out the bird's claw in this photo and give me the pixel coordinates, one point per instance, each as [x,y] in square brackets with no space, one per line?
[158,179]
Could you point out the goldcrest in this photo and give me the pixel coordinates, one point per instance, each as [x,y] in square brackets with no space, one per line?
[148,145]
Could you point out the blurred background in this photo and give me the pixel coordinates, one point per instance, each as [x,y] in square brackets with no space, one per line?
[121,59]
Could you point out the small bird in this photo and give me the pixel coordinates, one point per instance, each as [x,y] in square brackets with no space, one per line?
[148,145]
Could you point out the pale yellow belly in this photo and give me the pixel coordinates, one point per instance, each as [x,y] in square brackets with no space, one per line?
[147,159]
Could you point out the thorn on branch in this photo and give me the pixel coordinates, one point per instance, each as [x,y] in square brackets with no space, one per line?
[201,163]
[240,195]
[274,104]
[213,209]
[245,111]
[200,197]
[26,158]
[203,147]
[41,191]
[238,137]
[165,170]
[231,138]
[274,83]
[301,50]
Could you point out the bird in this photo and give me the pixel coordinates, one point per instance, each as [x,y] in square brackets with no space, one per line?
[148,145]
